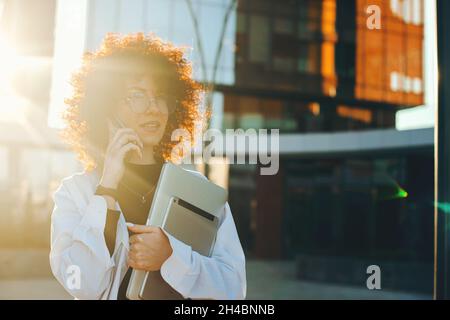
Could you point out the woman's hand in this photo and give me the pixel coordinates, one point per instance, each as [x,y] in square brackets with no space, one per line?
[123,141]
[149,248]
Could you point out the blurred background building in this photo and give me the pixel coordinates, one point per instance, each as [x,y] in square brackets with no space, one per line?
[352,190]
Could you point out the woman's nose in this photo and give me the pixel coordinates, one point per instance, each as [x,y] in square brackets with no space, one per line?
[153,108]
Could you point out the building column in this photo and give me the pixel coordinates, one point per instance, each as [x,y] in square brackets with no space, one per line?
[269,215]
[442,169]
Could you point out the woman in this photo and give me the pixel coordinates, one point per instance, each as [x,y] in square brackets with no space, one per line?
[128,98]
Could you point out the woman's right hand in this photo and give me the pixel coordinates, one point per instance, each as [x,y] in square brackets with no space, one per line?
[123,141]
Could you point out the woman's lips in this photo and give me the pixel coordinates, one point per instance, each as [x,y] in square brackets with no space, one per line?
[150,126]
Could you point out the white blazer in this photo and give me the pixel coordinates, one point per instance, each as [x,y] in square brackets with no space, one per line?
[78,249]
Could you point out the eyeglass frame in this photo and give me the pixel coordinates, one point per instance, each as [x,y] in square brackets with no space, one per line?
[150,101]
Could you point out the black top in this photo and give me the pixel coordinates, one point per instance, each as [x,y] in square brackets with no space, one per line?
[139,180]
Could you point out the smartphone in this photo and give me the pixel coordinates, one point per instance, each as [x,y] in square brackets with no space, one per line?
[117,123]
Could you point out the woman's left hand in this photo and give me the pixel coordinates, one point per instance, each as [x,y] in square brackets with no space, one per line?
[149,248]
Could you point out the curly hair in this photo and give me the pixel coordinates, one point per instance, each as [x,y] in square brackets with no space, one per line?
[100,81]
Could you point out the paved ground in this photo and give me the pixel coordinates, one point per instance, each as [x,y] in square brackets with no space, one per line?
[30,289]
[266,280]
[276,280]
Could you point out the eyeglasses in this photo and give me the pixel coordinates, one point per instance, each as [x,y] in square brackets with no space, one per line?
[139,102]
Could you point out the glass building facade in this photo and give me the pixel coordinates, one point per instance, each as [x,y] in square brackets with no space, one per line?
[307,66]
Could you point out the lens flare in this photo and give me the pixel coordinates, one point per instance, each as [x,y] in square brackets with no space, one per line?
[392,191]
[401,193]
[443,206]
